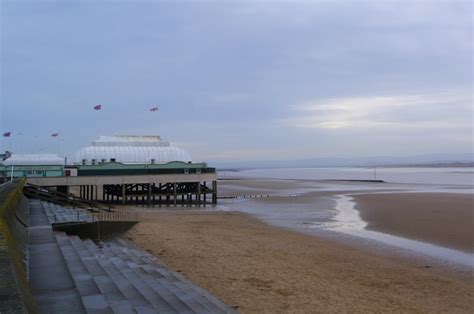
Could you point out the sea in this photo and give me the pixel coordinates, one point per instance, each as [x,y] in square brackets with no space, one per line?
[450,176]
[339,216]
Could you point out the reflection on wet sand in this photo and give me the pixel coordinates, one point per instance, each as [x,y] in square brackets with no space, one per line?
[329,207]
[348,221]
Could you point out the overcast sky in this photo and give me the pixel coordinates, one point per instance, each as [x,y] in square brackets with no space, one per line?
[242,79]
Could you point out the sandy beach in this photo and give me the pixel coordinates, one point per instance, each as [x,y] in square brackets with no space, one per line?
[443,219]
[259,268]
[261,259]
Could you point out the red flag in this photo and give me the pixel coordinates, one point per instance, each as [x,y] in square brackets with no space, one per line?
[154,109]
[55,134]
[7,134]
[97,107]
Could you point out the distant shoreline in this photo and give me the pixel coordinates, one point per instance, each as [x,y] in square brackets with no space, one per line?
[430,165]
[434,165]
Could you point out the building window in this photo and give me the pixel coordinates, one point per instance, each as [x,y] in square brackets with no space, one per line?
[35,173]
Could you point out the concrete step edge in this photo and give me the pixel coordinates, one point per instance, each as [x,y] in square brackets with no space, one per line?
[136,268]
[161,305]
[131,293]
[62,236]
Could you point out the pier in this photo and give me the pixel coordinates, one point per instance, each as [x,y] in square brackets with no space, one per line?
[166,189]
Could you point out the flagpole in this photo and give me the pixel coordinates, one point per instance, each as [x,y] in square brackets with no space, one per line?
[55,136]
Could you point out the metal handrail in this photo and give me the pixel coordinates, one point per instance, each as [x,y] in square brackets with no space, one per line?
[114,216]
[69,197]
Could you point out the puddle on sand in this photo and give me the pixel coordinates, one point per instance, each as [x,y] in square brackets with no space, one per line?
[348,221]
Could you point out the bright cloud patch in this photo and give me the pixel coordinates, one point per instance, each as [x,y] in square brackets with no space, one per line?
[443,110]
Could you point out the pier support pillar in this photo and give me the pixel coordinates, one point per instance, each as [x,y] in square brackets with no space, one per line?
[149,194]
[63,189]
[123,193]
[175,193]
[199,193]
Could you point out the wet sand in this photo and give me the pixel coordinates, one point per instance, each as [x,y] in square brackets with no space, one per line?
[443,219]
[240,187]
[259,268]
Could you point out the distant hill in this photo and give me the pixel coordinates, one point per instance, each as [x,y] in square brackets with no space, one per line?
[428,160]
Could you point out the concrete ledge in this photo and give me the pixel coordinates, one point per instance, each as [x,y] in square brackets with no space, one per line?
[13,240]
[95,229]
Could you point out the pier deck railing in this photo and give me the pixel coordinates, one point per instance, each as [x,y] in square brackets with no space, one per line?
[52,195]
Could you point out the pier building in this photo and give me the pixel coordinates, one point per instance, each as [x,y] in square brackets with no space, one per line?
[32,165]
[123,169]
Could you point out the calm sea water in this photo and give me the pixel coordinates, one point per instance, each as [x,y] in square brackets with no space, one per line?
[451,176]
[321,214]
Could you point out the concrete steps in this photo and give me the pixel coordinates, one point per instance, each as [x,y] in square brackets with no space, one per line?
[70,274]
[50,280]
[147,266]
[170,301]
[115,277]
[91,295]
[114,296]
[174,303]
[60,214]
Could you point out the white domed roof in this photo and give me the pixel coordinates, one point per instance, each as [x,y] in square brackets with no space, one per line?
[131,150]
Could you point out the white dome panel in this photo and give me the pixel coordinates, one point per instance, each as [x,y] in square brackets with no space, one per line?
[124,149]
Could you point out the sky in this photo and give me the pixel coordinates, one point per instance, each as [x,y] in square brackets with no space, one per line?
[240,80]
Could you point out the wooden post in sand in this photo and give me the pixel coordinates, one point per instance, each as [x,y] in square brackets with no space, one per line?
[123,193]
[214,192]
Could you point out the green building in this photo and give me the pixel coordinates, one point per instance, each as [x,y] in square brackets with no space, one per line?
[32,165]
